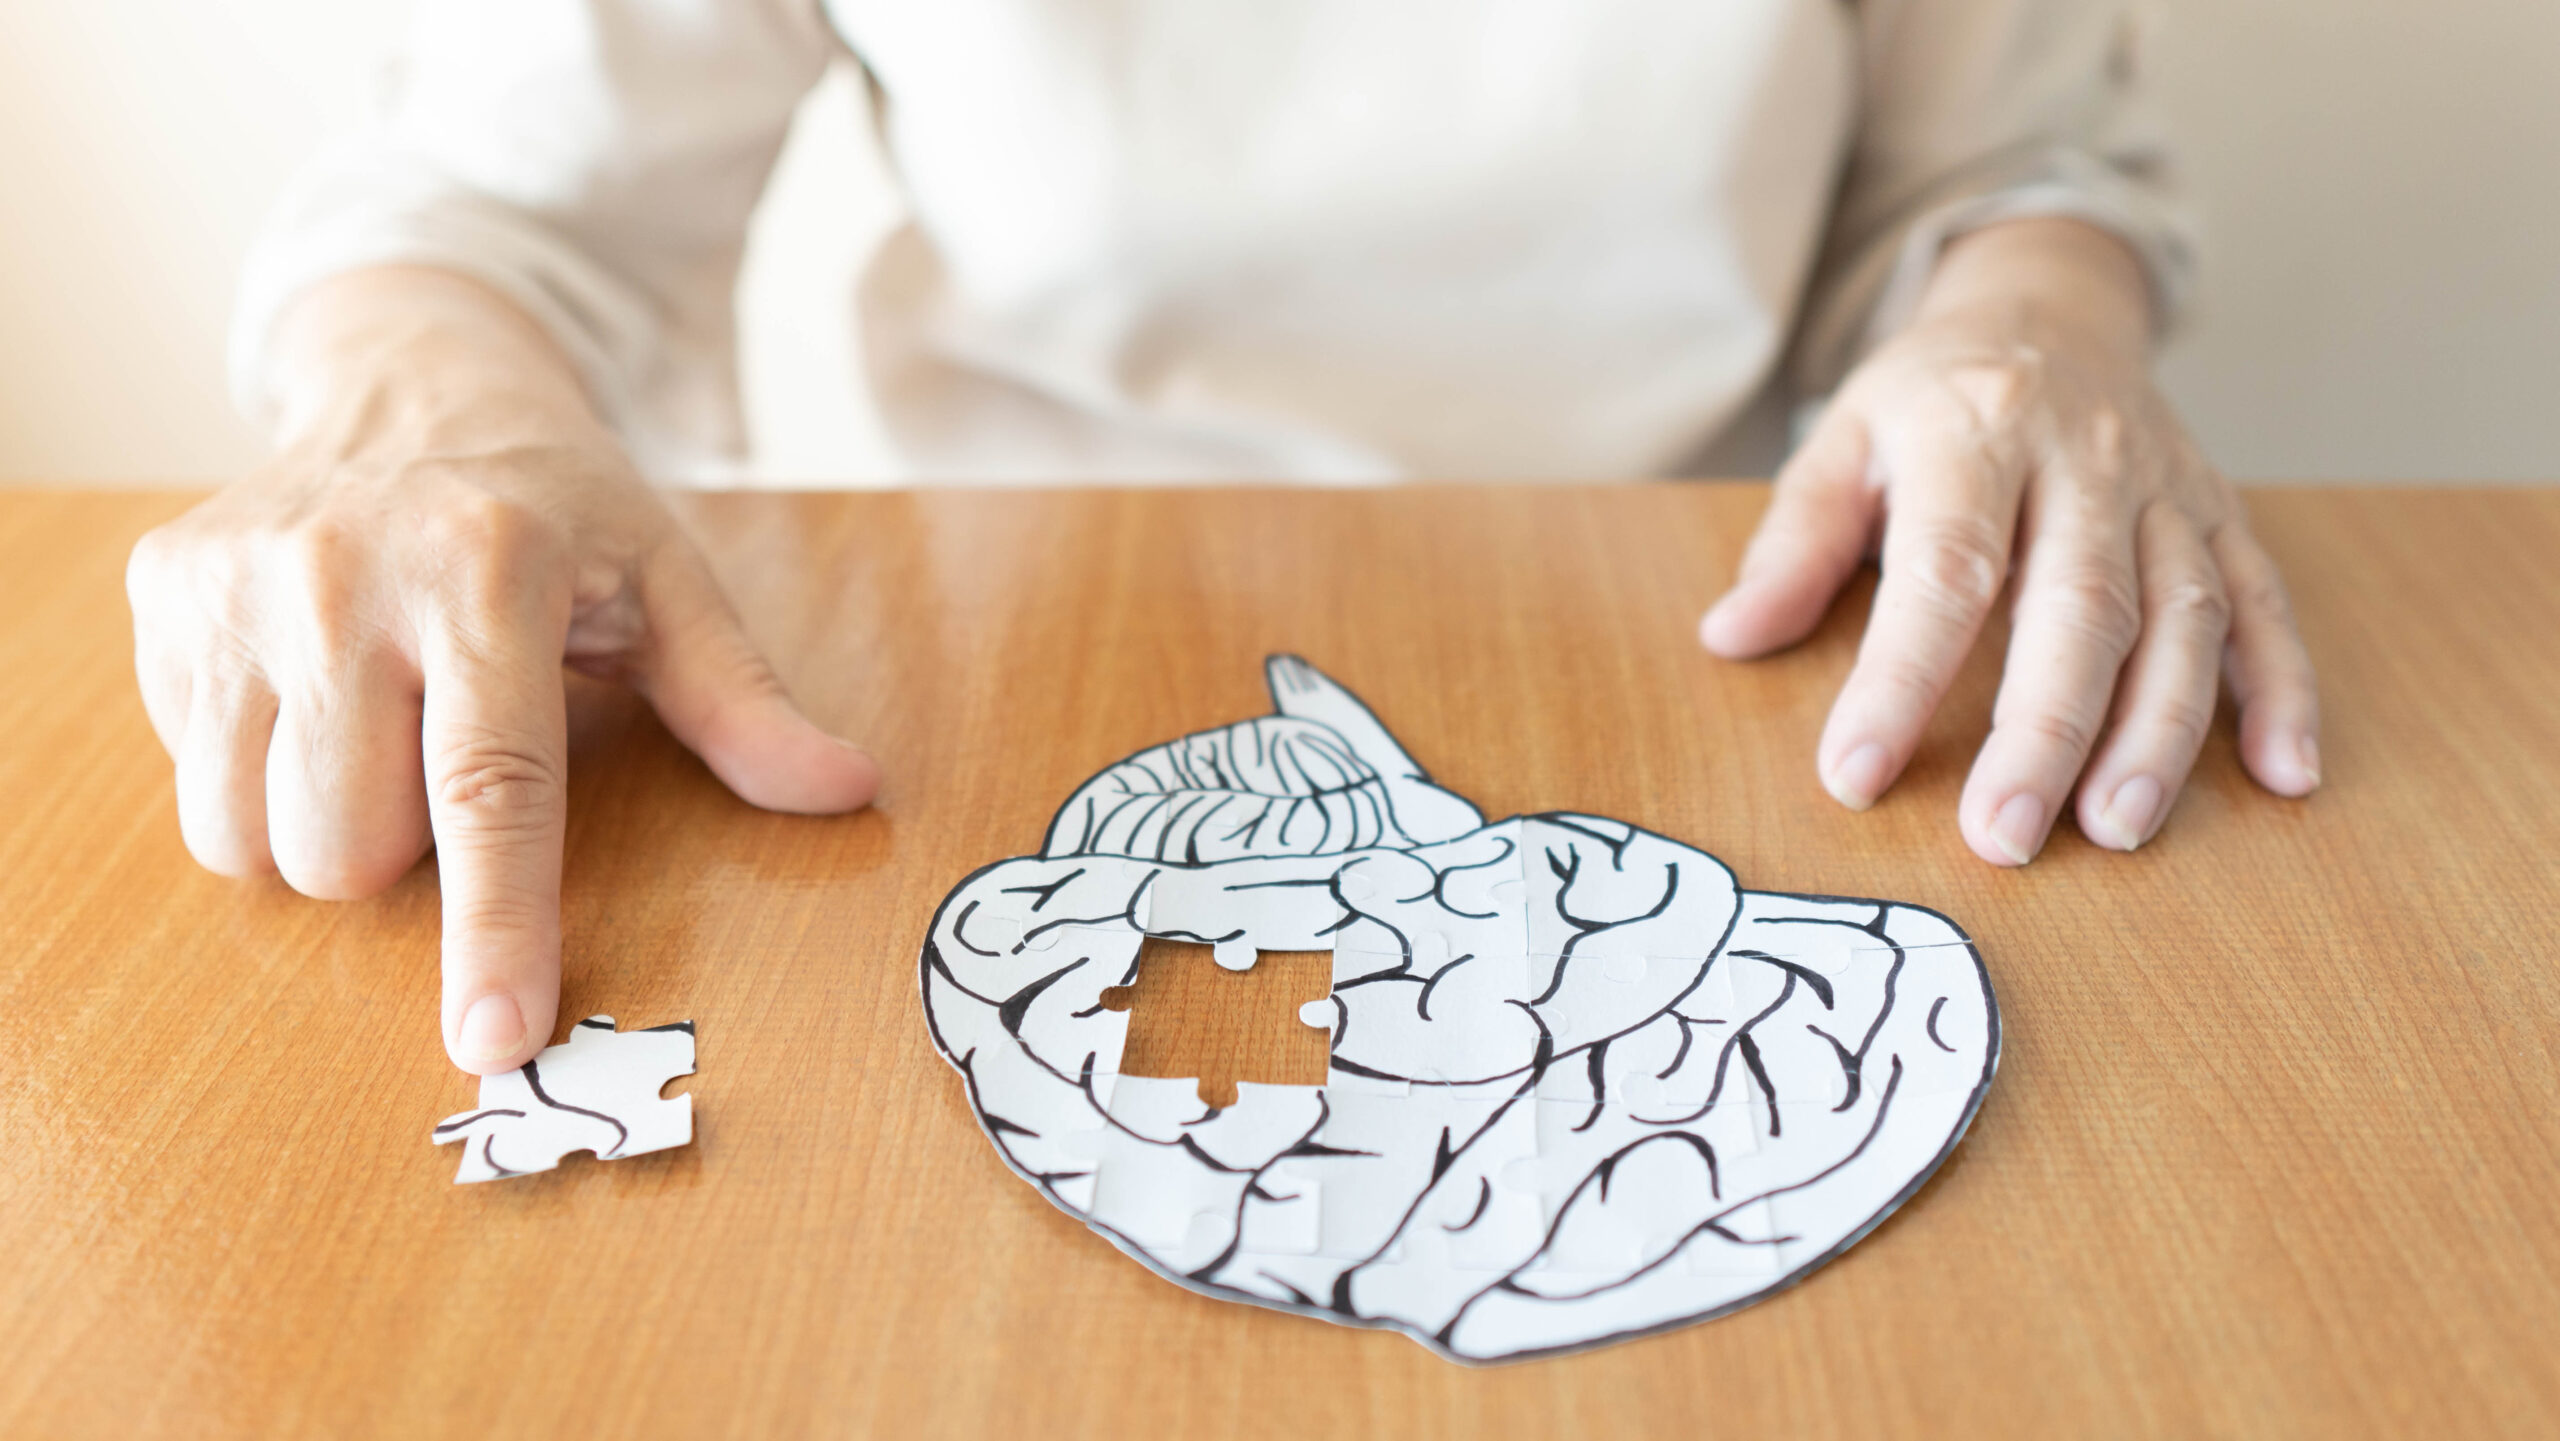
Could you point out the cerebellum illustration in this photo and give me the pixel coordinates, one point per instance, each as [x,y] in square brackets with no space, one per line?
[1582,1086]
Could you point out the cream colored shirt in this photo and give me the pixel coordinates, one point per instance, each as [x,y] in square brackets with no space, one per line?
[1172,239]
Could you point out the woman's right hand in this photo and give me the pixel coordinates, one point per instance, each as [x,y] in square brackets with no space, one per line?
[356,652]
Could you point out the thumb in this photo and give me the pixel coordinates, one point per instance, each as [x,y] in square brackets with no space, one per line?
[720,697]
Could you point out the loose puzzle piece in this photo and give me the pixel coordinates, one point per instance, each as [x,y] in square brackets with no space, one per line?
[596,1091]
[1581,1086]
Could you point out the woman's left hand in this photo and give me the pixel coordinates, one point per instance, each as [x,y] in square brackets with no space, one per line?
[2010,439]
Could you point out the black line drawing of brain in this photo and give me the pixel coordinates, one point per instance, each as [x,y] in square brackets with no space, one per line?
[1582,1086]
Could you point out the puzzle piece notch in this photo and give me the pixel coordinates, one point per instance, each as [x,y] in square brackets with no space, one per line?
[597,1091]
[1193,1013]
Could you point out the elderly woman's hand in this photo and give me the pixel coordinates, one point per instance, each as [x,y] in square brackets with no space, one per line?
[357,651]
[2011,434]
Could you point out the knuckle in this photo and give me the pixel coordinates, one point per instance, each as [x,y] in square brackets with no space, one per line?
[2105,451]
[233,676]
[1995,392]
[1913,684]
[322,555]
[321,566]
[149,560]
[1956,564]
[343,852]
[2061,730]
[752,677]
[2264,597]
[2107,432]
[500,788]
[222,844]
[2195,604]
[498,911]
[227,861]
[487,542]
[166,576]
[2098,603]
[348,875]
[190,589]
[2186,722]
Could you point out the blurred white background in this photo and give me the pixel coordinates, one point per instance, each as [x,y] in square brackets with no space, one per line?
[2379,181]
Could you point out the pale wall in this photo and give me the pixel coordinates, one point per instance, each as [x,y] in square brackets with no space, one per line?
[2380,179]
[2380,185]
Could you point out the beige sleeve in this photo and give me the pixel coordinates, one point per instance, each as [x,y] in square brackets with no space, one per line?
[1973,112]
[595,161]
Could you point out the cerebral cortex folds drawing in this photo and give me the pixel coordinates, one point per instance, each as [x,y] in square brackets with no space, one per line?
[1581,1086]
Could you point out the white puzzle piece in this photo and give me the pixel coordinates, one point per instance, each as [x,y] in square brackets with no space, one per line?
[596,1091]
[1582,1086]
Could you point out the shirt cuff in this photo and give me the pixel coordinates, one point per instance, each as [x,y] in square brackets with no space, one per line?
[1879,291]
[365,208]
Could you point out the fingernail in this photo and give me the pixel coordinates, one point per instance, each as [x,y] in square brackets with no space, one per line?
[2129,813]
[1859,778]
[492,1030]
[2308,749]
[2017,828]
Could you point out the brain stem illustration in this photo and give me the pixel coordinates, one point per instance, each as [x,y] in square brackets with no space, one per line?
[1582,1086]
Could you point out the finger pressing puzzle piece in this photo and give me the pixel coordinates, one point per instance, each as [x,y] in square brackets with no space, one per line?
[596,1091]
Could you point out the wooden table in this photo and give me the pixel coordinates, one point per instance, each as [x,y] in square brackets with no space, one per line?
[2275,1150]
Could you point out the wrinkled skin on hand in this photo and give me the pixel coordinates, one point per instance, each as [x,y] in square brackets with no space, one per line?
[2010,442]
[355,653]
[1581,1085]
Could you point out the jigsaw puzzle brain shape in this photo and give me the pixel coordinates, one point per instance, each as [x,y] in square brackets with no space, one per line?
[1582,1086]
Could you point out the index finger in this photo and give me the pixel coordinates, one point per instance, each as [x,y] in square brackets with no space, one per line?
[1945,556]
[495,732]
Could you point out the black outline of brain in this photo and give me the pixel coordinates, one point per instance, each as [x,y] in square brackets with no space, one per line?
[1582,1086]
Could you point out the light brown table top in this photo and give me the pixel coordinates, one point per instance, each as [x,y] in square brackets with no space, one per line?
[2274,1150]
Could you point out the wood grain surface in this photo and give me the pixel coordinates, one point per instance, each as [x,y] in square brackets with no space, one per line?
[2275,1150]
